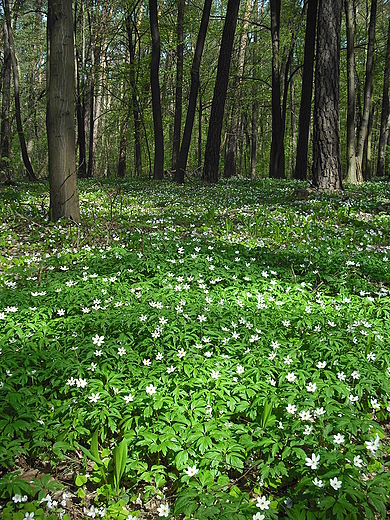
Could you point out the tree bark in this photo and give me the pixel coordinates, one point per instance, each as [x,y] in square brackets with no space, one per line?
[367,156]
[213,143]
[22,140]
[351,152]
[276,165]
[326,133]
[179,85]
[80,96]
[300,171]
[121,170]
[367,93]
[385,114]
[156,97]
[230,166]
[130,26]
[186,139]
[5,147]
[64,200]
[255,107]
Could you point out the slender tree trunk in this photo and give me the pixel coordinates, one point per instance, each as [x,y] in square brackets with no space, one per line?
[300,171]
[293,122]
[179,85]
[367,156]
[186,139]
[230,166]
[276,165]
[64,200]
[91,121]
[326,134]
[121,171]
[255,107]
[5,149]
[351,152]
[80,95]
[130,26]
[385,114]
[213,143]
[18,116]
[156,97]
[200,117]
[367,92]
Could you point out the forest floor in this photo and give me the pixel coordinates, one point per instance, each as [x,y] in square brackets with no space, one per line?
[195,352]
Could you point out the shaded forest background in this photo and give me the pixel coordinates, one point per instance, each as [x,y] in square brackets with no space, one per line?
[113,102]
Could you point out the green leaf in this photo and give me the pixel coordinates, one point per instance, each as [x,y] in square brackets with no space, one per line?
[184,505]
[327,502]
[266,415]
[120,459]
[80,480]
[88,454]
[45,479]
[181,459]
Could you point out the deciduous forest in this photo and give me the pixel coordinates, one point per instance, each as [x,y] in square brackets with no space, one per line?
[208,90]
[194,259]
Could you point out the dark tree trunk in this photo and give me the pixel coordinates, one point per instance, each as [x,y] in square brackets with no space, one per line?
[367,156]
[351,152]
[230,166]
[300,171]
[156,98]
[134,98]
[200,117]
[385,120]
[5,148]
[186,140]
[179,86]
[91,158]
[18,116]
[121,171]
[326,133]
[367,92]
[213,143]
[80,105]
[255,107]
[64,201]
[80,115]
[276,165]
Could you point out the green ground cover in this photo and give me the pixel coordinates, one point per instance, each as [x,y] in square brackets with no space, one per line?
[195,352]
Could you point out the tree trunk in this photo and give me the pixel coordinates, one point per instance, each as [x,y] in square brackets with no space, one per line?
[80,97]
[134,98]
[385,115]
[200,117]
[213,143]
[186,139]
[179,86]
[64,200]
[326,134]
[300,171]
[5,147]
[255,107]
[230,166]
[91,123]
[276,165]
[156,98]
[367,92]
[351,152]
[293,121]
[18,116]
[367,156]
[121,171]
